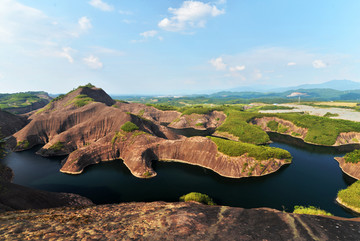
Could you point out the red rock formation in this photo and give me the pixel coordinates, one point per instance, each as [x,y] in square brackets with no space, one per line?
[291,128]
[92,133]
[172,221]
[10,123]
[351,169]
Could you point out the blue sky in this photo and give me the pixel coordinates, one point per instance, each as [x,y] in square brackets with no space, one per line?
[176,47]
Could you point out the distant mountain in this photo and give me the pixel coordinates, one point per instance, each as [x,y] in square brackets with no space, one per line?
[341,85]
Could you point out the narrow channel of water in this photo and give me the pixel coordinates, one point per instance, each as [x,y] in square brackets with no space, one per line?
[313,178]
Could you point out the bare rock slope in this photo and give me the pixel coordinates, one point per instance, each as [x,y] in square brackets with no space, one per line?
[10,123]
[86,124]
[172,221]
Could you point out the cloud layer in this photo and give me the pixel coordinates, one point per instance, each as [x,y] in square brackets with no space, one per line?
[191,14]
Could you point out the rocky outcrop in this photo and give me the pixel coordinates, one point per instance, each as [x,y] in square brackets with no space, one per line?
[10,123]
[172,221]
[345,205]
[138,151]
[351,169]
[92,133]
[290,128]
[211,120]
[345,138]
[16,197]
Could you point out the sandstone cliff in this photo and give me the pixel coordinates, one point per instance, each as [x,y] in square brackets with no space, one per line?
[16,197]
[291,129]
[351,169]
[172,221]
[10,123]
[86,125]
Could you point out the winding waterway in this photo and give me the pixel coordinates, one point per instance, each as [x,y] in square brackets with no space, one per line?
[313,178]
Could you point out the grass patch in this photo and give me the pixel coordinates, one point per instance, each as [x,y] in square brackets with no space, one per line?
[352,157]
[197,197]
[163,107]
[235,148]
[81,100]
[273,125]
[328,114]
[311,210]
[199,109]
[295,133]
[275,107]
[199,124]
[237,125]
[351,195]
[57,146]
[23,144]
[129,127]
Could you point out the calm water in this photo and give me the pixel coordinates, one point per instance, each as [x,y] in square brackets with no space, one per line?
[313,178]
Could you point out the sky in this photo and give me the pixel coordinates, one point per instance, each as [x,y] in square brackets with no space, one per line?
[172,47]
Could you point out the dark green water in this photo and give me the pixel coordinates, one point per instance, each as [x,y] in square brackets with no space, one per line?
[313,178]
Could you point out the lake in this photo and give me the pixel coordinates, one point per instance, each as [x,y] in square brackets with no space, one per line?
[313,178]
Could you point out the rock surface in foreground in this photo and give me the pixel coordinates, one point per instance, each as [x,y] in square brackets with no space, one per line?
[173,221]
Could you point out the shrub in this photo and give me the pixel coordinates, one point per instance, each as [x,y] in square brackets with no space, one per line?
[311,210]
[129,127]
[23,144]
[57,146]
[353,157]
[273,125]
[351,195]
[197,197]
[162,107]
[328,114]
[82,100]
[235,148]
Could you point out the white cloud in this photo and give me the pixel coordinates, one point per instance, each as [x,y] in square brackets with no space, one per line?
[66,54]
[101,5]
[191,14]
[218,63]
[85,23]
[149,34]
[219,2]
[93,62]
[237,68]
[318,64]
[125,12]
[291,64]
[107,51]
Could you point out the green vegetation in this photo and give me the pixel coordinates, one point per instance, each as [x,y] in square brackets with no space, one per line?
[199,124]
[129,127]
[20,99]
[89,85]
[273,125]
[235,148]
[352,157]
[81,100]
[323,131]
[163,107]
[57,146]
[237,125]
[311,210]
[23,144]
[274,107]
[351,195]
[117,136]
[295,133]
[199,109]
[328,114]
[197,197]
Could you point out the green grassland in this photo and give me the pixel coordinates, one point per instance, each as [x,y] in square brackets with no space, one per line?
[197,197]
[352,157]
[311,210]
[19,99]
[235,148]
[351,195]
